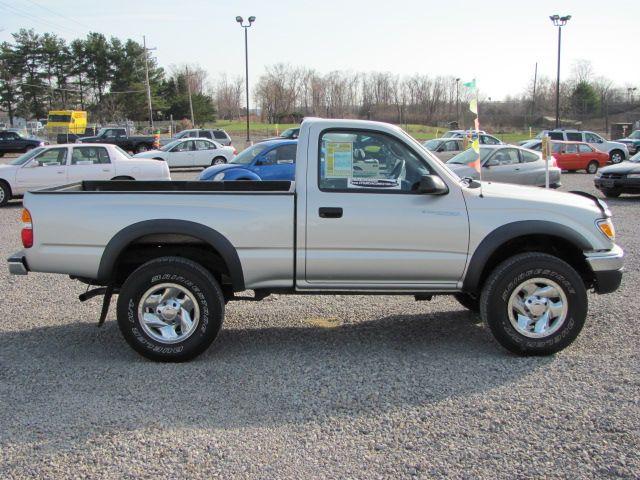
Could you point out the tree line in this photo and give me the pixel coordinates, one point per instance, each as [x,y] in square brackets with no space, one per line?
[106,77]
[42,72]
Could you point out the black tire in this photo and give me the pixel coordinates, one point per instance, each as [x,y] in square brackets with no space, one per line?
[509,276]
[5,193]
[592,167]
[29,148]
[616,156]
[123,178]
[218,161]
[468,302]
[190,276]
[1,154]
[611,192]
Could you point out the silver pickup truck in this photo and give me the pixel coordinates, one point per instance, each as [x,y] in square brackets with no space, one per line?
[370,212]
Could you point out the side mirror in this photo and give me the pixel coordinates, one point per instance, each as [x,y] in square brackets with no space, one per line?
[432,185]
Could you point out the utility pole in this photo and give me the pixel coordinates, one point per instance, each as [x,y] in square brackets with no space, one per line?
[146,72]
[458,102]
[193,121]
[533,99]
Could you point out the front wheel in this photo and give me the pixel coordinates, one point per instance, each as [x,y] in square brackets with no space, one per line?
[218,161]
[534,304]
[592,167]
[616,156]
[170,309]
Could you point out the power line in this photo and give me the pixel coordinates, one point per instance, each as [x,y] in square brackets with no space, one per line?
[30,16]
[65,17]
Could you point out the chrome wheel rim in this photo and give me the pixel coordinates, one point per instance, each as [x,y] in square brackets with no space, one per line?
[593,168]
[616,158]
[168,313]
[538,308]
[218,161]
[1,194]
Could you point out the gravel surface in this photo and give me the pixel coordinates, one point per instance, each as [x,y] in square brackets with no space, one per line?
[317,387]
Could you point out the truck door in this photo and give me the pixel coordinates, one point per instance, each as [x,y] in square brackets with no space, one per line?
[367,227]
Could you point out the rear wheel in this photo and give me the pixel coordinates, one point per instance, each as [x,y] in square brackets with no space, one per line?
[616,156]
[123,178]
[170,309]
[534,304]
[592,167]
[218,161]
[5,193]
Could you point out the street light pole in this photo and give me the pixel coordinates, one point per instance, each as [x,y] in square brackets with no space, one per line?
[146,73]
[458,102]
[246,62]
[559,22]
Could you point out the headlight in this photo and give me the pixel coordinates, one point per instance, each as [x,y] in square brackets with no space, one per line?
[218,177]
[633,175]
[598,174]
[41,144]
[607,228]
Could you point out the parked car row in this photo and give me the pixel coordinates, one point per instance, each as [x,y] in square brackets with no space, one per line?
[197,152]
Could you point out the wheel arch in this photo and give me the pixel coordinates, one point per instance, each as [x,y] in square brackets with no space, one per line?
[522,236]
[212,240]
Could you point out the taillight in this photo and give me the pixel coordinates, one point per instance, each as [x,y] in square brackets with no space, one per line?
[554,162]
[27,229]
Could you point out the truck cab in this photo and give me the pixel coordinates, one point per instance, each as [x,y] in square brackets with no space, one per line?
[370,212]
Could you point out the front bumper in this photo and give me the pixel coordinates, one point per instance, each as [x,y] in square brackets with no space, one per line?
[624,184]
[607,268]
[18,264]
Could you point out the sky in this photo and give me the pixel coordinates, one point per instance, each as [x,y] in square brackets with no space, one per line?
[498,42]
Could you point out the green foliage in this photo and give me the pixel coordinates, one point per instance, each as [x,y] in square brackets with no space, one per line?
[585,100]
[105,76]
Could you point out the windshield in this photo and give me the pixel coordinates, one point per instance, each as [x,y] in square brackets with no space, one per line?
[432,144]
[22,159]
[450,134]
[289,133]
[182,134]
[248,154]
[469,156]
[635,135]
[532,144]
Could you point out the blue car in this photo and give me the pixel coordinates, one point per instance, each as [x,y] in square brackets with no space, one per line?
[272,160]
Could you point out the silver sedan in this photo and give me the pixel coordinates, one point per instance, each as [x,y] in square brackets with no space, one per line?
[506,164]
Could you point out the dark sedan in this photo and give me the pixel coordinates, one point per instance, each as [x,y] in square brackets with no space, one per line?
[13,142]
[624,177]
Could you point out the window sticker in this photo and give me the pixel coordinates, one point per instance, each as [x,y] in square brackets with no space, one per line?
[339,162]
[366,168]
[382,183]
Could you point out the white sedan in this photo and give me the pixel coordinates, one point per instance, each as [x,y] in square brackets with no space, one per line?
[55,165]
[191,152]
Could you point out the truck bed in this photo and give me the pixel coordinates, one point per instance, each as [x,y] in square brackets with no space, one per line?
[128,186]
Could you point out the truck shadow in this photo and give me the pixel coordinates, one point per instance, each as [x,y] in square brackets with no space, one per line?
[88,381]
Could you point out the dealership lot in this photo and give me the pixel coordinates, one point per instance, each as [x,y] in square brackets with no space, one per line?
[361,387]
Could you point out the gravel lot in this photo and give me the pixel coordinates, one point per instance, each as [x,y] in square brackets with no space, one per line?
[317,387]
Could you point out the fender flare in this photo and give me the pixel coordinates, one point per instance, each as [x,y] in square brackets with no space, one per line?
[244,172]
[128,235]
[498,237]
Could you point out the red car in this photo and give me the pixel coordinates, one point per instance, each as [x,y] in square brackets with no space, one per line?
[574,156]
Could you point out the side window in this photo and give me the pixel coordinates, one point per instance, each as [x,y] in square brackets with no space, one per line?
[111,134]
[204,145]
[367,161]
[489,140]
[286,154]
[571,148]
[556,136]
[592,138]
[556,147]
[270,157]
[505,156]
[451,146]
[3,136]
[584,148]
[193,134]
[219,135]
[183,147]
[205,134]
[90,156]
[53,157]
[528,156]
[12,136]
[574,136]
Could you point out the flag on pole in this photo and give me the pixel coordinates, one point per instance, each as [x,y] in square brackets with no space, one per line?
[475,144]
